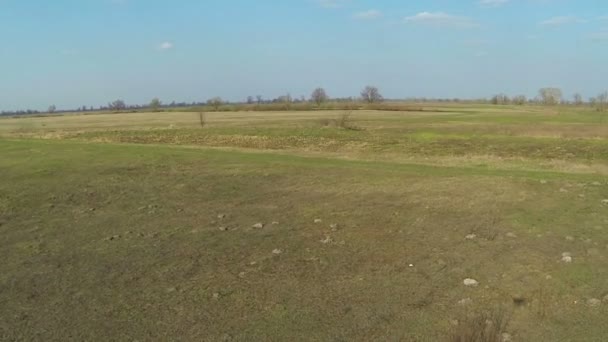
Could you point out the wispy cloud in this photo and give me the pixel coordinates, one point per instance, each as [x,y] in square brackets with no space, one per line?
[441,19]
[165,46]
[368,15]
[492,3]
[562,20]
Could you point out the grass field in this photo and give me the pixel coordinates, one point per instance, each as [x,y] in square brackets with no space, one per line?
[141,226]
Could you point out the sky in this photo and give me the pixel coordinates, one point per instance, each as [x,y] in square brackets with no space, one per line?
[89,52]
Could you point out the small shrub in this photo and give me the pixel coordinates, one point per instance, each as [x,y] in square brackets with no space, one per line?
[202,119]
[482,327]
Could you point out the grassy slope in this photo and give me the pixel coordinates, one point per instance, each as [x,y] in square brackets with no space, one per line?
[62,277]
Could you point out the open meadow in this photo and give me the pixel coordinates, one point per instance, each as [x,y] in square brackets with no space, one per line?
[306,225]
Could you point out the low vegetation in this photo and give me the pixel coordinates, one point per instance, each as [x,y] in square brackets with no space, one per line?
[367,225]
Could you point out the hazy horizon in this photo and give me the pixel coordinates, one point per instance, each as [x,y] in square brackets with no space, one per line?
[75,53]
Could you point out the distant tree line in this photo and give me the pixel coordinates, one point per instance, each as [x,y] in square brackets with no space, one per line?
[319,98]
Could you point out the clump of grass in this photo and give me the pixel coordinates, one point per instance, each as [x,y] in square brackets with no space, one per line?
[482,327]
[344,121]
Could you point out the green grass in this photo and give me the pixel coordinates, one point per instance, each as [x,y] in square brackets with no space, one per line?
[113,232]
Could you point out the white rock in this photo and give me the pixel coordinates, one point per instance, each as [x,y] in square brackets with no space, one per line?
[258,226]
[471,237]
[567,259]
[605,202]
[317,221]
[569,238]
[471,282]
[465,301]
[327,240]
[277,251]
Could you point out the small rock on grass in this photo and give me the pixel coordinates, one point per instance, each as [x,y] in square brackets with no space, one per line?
[275,223]
[317,221]
[593,302]
[605,202]
[223,229]
[258,226]
[505,337]
[511,235]
[543,181]
[333,226]
[569,238]
[221,216]
[471,237]
[277,251]
[465,301]
[566,257]
[470,282]
[327,240]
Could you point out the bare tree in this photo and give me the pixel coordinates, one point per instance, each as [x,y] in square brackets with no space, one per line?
[578,99]
[550,96]
[117,105]
[155,104]
[319,96]
[250,100]
[500,99]
[601,101]
[215,102]
[259,99]
[520,100]
[371,94]
[52,109]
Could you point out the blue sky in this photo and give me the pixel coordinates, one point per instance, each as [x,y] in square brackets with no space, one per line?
[89,52]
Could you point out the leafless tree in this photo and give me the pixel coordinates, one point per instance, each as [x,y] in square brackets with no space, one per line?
[259,99]
[155,104]
[500,99]
[215,102]
[52,109]
[117,105]
[250,100]
[601,101]
[371,94]
[319,96]
[520,100]
[550,96]
[578,99]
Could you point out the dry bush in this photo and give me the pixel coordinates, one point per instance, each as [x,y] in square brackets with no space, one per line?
[482,327]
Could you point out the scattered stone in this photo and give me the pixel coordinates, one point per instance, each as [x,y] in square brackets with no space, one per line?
[506,337]
[511,235]
[275,223]
[454,322]
[465,301]
[253,263]
[569,238]
[223,229]
[566,257]
[543,182]
[596,184]
[317,221]
[216,296]
[562,190]
[593,302]
[334,227]
[242,275]
[470,282]
[258,226]
[277,251]
[327,240]
[411,265]
[221,216]
[180,210]
[605,202]
[548,277]
[471,237]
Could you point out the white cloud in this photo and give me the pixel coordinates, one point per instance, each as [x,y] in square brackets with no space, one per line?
[165,46]
[492,3]
[562,20]
[441,19]
[368,15]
